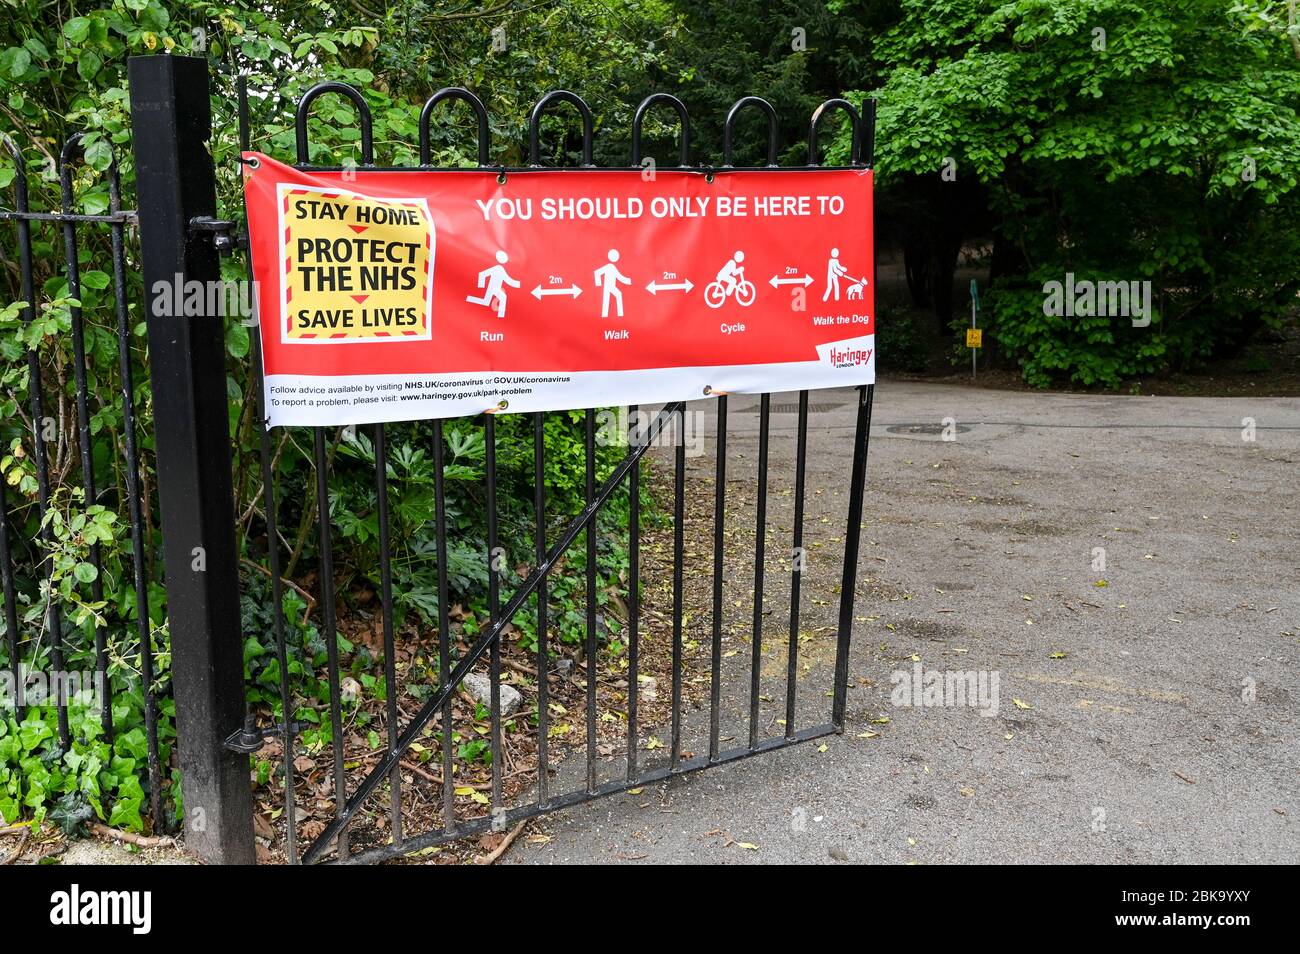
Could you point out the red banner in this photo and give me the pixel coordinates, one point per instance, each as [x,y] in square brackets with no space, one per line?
[402,295]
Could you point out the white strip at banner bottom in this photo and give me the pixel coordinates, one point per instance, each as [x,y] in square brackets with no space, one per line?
[314,400]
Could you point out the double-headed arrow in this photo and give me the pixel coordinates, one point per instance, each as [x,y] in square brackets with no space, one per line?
[805,281]
[572,290]
[655,288]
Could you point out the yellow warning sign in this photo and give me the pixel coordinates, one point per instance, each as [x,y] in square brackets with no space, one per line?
[356,267]
[974,337]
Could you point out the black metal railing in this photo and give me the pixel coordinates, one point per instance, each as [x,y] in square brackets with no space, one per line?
[182,236]
[452,671]
[45,639]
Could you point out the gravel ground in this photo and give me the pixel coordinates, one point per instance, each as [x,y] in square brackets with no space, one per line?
[1146,712]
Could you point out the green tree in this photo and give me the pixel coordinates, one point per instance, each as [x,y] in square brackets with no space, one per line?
[1117,139]
[62,72]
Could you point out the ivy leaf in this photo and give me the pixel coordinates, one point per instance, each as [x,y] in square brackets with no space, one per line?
[71,813]
[99,154]
[15,61]
[77,29]
[37,49]
[237,341]
[126,814]
[88,64]
[135,743]
[96,202]
[95,278]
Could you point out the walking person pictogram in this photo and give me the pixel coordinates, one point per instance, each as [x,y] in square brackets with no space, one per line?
[493,281]
[608,278]
[834,271]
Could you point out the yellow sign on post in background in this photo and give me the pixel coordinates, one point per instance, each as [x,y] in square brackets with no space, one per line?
[974,337]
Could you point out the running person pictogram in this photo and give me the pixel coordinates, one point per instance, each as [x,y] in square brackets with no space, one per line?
[493,281]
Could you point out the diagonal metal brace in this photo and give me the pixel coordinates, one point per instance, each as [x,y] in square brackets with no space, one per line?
[410,734]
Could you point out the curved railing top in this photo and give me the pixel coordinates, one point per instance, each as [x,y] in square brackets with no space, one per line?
[363,111]
[761,104]
[535,122]
[855,142]
[861,149]
[480,114]
[683,117]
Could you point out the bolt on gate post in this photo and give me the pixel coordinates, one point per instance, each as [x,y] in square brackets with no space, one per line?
[175,183]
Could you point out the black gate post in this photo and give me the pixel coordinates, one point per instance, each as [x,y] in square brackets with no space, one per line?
[175,183]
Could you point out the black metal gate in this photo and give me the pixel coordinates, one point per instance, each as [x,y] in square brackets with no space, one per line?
[388,771]
[181,238]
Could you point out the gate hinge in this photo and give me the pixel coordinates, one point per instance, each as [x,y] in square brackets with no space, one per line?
[224,237]
[250,738]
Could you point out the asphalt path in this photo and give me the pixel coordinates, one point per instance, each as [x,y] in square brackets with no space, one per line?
[1126,567]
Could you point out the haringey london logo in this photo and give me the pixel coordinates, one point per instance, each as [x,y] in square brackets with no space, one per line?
[850,357]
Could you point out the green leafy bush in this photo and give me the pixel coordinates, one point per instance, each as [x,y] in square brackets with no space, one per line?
[1082,349]
[39,778]
[1143,140]
[900,345]
[63,71]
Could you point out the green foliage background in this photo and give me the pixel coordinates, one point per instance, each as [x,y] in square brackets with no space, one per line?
[1169,152]
[1117,139]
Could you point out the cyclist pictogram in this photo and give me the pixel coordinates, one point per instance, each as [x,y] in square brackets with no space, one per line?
[731,281]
